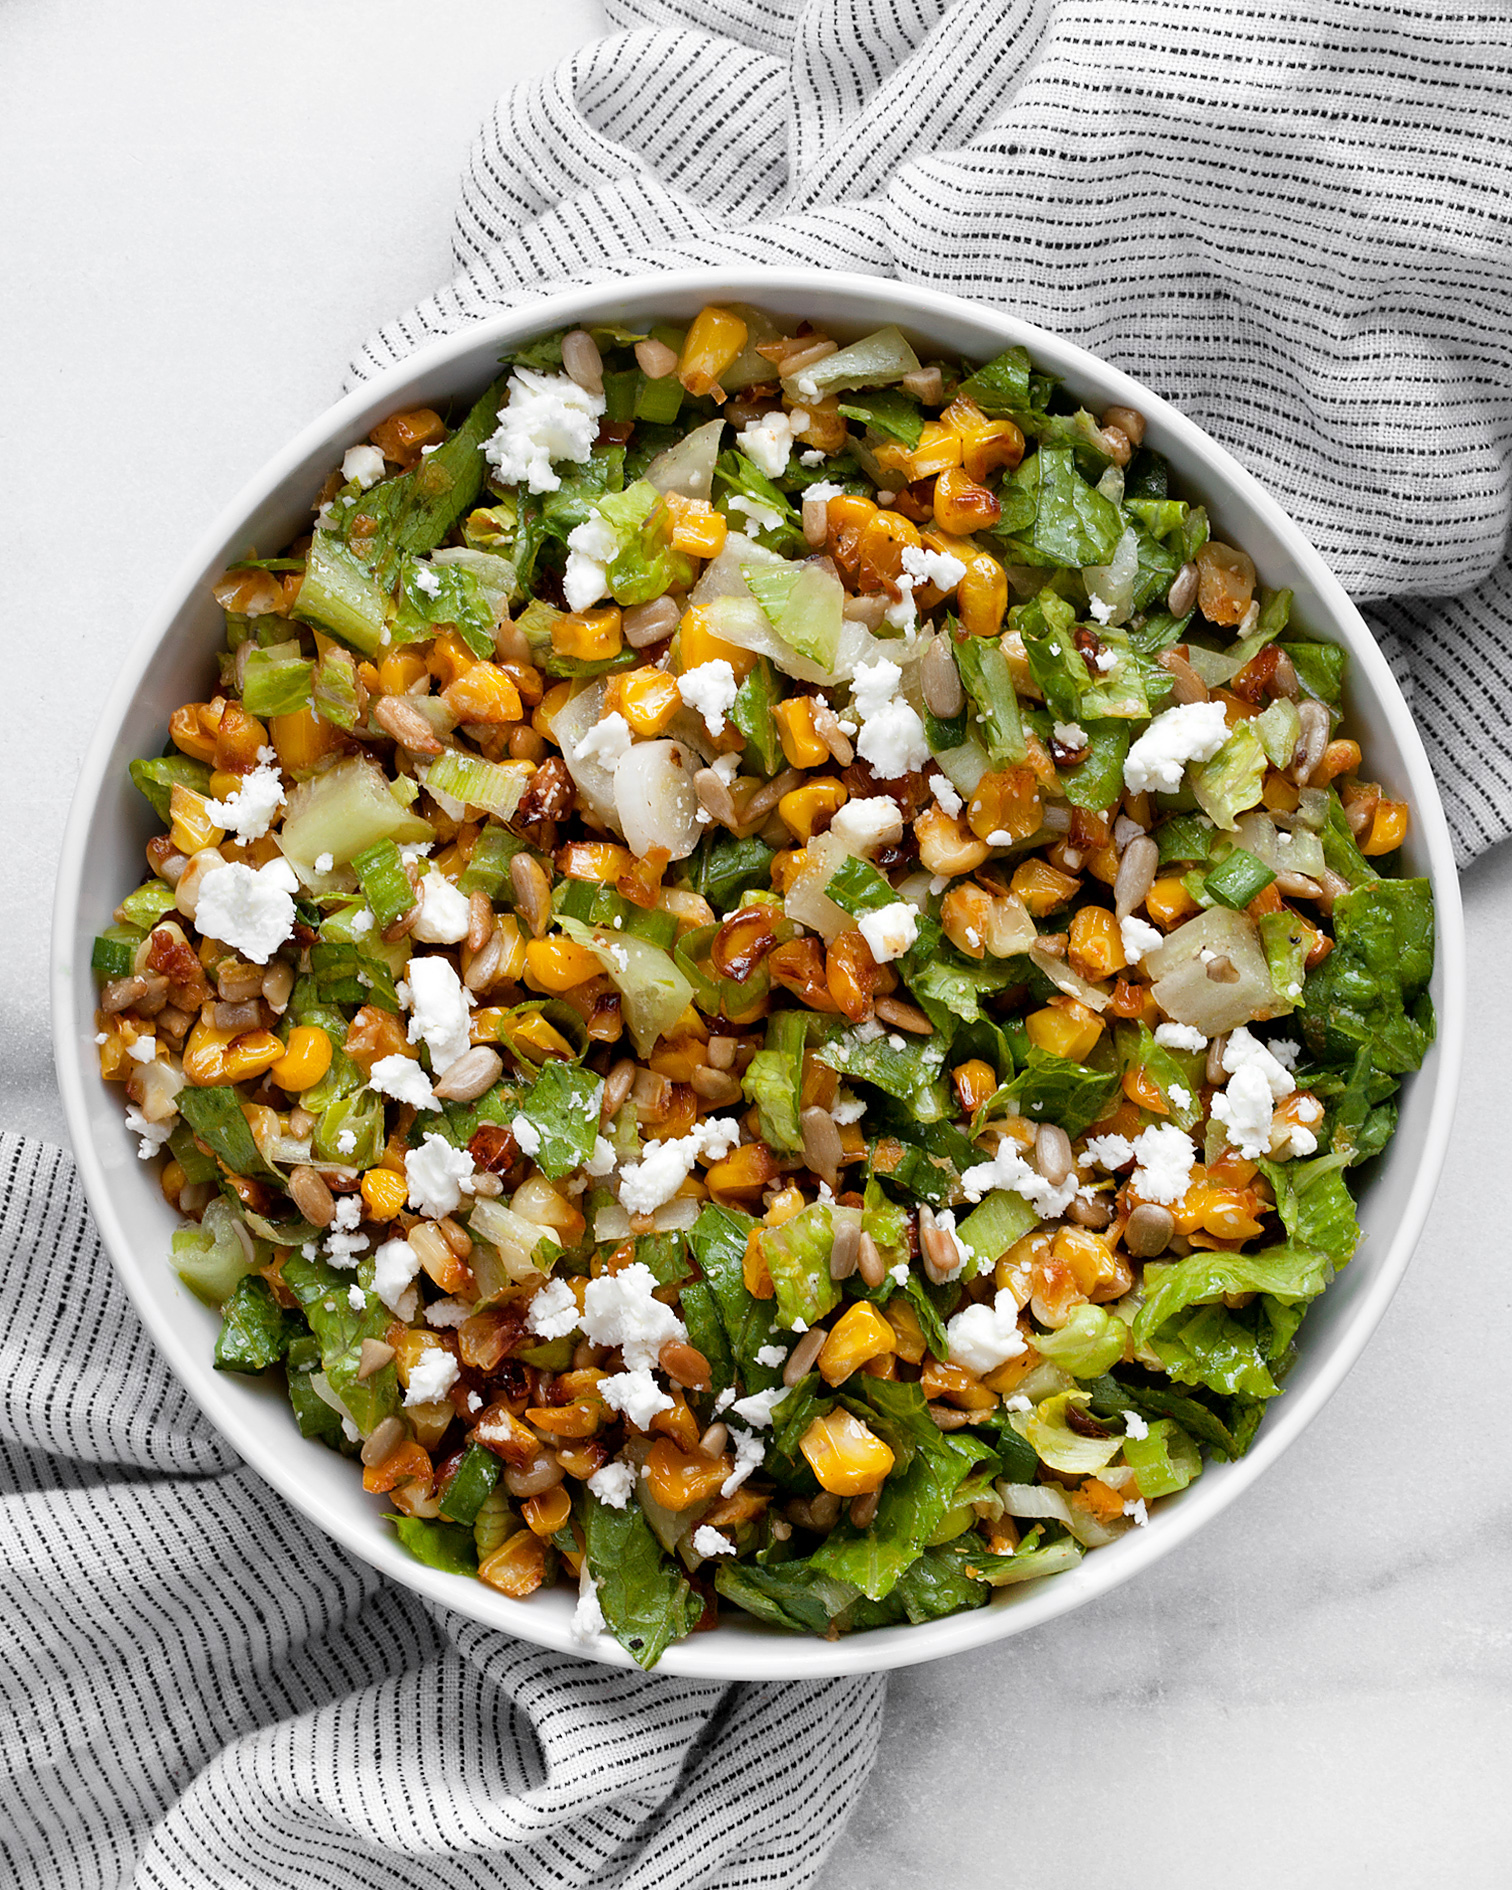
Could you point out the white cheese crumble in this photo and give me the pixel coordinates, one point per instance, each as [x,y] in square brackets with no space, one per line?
[248,811]
[1257,1082]
[944,791]
[1109,1151]
[750,1454]
[621,1309]
[438,1011]
[756,1410]
[607,742]
[252,912]
[431,1376]
[526,1135]
[144,1050]
[891,735]
[444,914]
[1135,1426]
[890,930]
[899,1273]
[362,466]
[767,442]
[771,1355]
[548,418]
[1164,1158]
[395,1264]
[1069,734]
[1139,937]
[404,1080]
[151,1135]
[812,457]
[1138,1511]
[984,1337]
[447,1313]
[635,1395]
[591,547]
[708,1541]
[863,826]
[1180,1095]
[614,1484]
[602,1160]
[765,518]
[1008,1169]
[587,1617]
[1286,1051]
[939,568]
[848,1108]
[711,689]
[427,580]
[1192,731]
[649,1183]
[356,1299]
[1180,1037]
[553,1313]
[438,1175]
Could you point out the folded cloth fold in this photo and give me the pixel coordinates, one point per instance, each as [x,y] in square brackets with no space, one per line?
[199,1688]
[1289,219]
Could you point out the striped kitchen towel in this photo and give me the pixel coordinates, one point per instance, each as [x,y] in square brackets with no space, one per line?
[1291,219]
[202,1692]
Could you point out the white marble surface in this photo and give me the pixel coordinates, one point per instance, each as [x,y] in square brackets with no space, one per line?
[206,207]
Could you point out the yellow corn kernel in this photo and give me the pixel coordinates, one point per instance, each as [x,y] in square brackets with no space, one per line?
[1278,795]
[192,827]
[193,730]
[532,1033]
[484,694]
[512,946]
[251,1054]
[547,1513]
[400,671]
[1069,1030]
[938,450]
[745,1170]
[304,1062]
[795,728]
[975,1081]
[801,807]
[954,1384]
[1168,902]
[1089,1258]
[678,1480]
[712,342]
[648,700]
[558,964]
[1144,1092]
[601,861]
[860,1333]
[961,506]
[848,1458]
[754,1270]
[986,444]
[696,527]
[518,1567]
[383,1193]
[1095,945]
[982,596]
[449,658]
[1341,757]
[1043,887]
[946,844]
[205,1054]
[1102,863]
[698,644]
[1005,800]
[909,1342]
[301,739]
[554,700]
[785,1204]
[593,636]
[1388,829]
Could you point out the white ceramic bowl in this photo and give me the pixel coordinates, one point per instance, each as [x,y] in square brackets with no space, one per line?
[172,662]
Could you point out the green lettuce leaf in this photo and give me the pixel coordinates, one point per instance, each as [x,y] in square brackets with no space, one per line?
[1229,784]
[797,1256]
[1051,1088]
[912,1074]
[774,1081]
[646,1600]
[321,1290]
[255,1330]
[988,681]
[1051,516]
[718,1240]
[1371,991]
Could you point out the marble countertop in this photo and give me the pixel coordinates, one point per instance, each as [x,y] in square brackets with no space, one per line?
[197,233]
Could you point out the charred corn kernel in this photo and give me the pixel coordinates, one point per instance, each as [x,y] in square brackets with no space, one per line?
[223,784]
[1095,945]
[192,827]
[879,549]
[745,1170]
[1341,757]
[449,658]
[547,1513]
[238,737]
[192,730]
[408,1460]
[961,505]
[400,671]
[938,451]
[1102,863]
[535,1035]
[1231,1216]
[484,694]
[1004,1379]
[795,729]
[859,1334]
[678,1423]
[784,1205]
[1168,902]
[713,340]
[301,739]
[1278,795]
[1005,800]
[678,1479]
[848,1458]
[975,1081]
[1388,829]
[555,698]
[305,1061]
[982,596]
[1144,1092]
[946,844]
[518,1567]
[1089,1258]
[599,860]
[698,644]
[909,1342]
[383,1193]
[956,1385]
[1043,887]
[402,435]
[540,1200]
[648,700]
[801,808]
[754,1269]
[254,1052]
[696,527]
[1065,1031]
[557,964]
[582,1418]
[592,636]
[994,445]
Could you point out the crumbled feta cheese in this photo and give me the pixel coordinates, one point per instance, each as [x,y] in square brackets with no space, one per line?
[890,930]
[1180,1037]
[750,1454]
[614,1484]
[944,791]
[250,911]
[765,518]
[601,1162]
[1104,661]
[723,1402]
[526,1135]
[1139,937]
[1164,1158]
[362,466]
[711,689]
[1257,1082]
[447,1314]
[727,767]
[607,742]
[548,418]
[848,1108]
[812,457]
[1101,612]
[1192,731]
[891,735]
[1285,1050]
[427,580]
[808,388]
[1135,1426]
[1000,837]
[144,1050]
[444,914]
[984,1337]
[1180,1095]
[636,1395]
[438,1175]
[899,1273]
[825,489]
[438,1011]
[248,811]
[346,1142]
[356,1299]
[767,442]
[1069,734]
[431,1376]
[403,1079]
[933,567]
[1138,1511]
[649,1183]
[591,547]
[708,1541]
[622,1309]
[553,1313]
[1008,1169]
[362,922]
[1109,1151]
[863,826]
[152,1135]
[756,1410]
[771,1356]
[587,1616]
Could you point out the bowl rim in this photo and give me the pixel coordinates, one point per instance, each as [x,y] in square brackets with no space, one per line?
[751,1654]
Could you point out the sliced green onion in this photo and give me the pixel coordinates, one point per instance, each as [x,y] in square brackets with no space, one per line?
[276,682]
[496,788]
[385,884]
[1238,878]
[148,904]
[487,871]
[115,951]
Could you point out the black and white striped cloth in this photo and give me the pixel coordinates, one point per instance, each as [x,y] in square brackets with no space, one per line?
[202,1692]
[1293,219]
